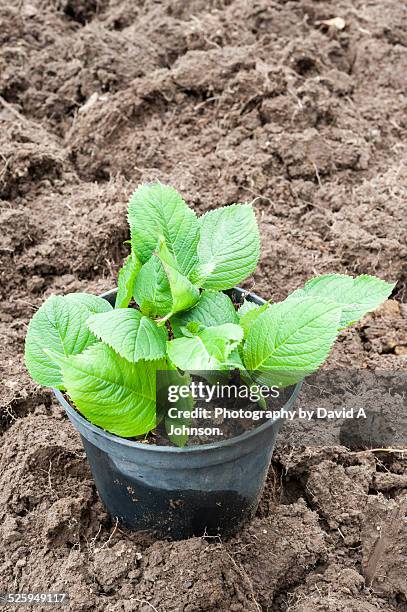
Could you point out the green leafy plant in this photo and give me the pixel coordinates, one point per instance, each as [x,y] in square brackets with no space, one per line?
[172,314]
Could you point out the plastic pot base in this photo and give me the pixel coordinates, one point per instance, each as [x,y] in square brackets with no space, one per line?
[176,493]
[174,513]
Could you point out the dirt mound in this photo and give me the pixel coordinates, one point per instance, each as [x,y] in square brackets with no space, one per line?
[19,395]
[291,541]
[34,253]
[200,575]
[334,590]
[29,154]
[95,217]
[340,493]
[384,545]
[46,470]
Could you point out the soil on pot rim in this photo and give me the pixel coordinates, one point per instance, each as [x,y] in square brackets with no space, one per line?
[228,101]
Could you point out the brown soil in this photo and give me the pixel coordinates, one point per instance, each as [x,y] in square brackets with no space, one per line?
[229,100]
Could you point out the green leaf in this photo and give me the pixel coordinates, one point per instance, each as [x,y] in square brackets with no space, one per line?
[356,296]
[246,307]
[213,308]
[234,360]
[158,210]
[93,303]
[59,325]
[56,357]
[184,294]
[126,279]
[165,378]
[247,319]
[191,329]
[181,407]
[207,350]
[182,420]
[131,334]
[291,339]
[253,387]
[152,290]
[111,392]
[228,247]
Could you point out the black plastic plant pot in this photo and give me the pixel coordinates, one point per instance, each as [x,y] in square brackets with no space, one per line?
[176,493]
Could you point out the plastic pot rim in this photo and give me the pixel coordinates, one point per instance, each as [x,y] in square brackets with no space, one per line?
[198,448]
